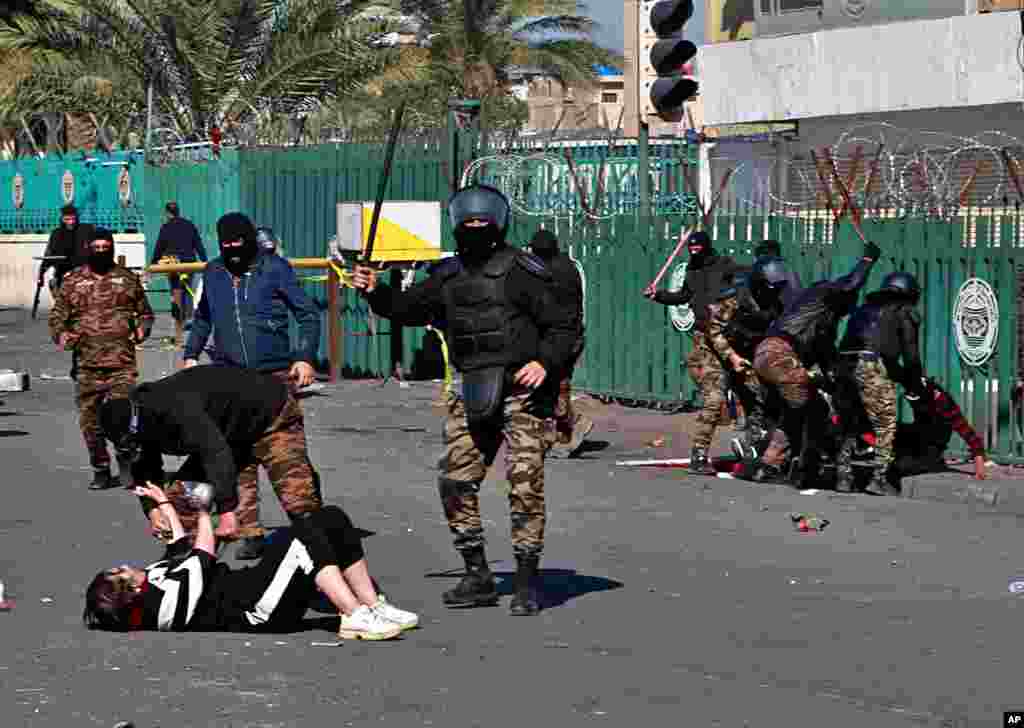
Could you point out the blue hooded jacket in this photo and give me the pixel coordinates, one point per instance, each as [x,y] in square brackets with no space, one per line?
[250,323]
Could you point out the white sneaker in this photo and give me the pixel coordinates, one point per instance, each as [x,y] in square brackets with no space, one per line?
[367,624]
[405,620]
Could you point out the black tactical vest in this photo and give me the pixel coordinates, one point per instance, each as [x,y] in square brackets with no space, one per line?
[864,329]
[484,329]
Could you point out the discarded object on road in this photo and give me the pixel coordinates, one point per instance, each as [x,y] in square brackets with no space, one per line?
[1017,586]
[669,463]
[808,522]
[12,381]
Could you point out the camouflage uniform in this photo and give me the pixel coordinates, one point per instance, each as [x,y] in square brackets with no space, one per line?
[282,453]
[779,366]
[707,372]
[467,457]
[100,313]
[248,511]
[746,385]
[872,390]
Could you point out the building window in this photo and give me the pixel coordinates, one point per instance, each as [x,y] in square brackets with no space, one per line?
[766,7]
[609,98]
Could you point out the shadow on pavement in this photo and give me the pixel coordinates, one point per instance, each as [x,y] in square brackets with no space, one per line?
[558,586]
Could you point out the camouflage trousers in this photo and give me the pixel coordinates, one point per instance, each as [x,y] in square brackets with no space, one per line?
[565,416]
[707,372]
[92,387]
[868,385]
[248,511]
[468,454]
[753,396]
[779,368]
[282,453]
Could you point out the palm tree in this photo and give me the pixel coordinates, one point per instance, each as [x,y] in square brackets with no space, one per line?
[470,49]
[226,63]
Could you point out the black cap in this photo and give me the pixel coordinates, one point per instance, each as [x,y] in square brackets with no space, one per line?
[544,244]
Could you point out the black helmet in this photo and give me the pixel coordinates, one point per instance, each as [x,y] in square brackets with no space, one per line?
[903,284]
[771,271]
[479,202]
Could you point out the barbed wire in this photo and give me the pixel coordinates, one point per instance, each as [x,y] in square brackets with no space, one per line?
[887,168]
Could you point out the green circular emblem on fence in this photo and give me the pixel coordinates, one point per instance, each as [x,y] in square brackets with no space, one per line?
[976,321]
[682,316]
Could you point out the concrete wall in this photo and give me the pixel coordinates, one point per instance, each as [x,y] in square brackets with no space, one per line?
[953,62]
[19,271]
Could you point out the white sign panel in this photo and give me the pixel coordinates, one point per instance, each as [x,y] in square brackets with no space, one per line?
[976,321]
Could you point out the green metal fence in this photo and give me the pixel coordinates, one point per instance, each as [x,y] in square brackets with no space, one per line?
[633,351]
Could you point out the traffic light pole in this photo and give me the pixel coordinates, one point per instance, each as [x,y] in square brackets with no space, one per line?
[644,171]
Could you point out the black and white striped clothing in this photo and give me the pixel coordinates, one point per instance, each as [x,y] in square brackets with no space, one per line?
[192,591]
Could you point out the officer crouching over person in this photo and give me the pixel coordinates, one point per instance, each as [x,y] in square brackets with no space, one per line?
[510,338]
[879,350]
[738,323]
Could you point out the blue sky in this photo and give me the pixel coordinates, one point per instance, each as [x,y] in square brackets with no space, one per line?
[609,13]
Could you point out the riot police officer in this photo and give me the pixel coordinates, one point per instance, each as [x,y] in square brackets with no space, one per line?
[803,337]
[879,350]
[706,274]
[738,323]
[507,330]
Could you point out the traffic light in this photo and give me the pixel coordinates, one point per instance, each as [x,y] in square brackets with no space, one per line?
[664,56]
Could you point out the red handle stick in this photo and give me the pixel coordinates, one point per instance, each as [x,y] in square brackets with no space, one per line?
[684,236]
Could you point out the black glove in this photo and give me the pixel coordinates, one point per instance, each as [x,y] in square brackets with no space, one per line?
[872,252]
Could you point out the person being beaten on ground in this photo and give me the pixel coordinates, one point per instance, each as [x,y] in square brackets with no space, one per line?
[707,273]
[879,350]
[802,338]
[573,427]
[179,239]
[920,445]
[246,300]
[507,331]
[71,242]
[190,590]
[737,324]
[101,314]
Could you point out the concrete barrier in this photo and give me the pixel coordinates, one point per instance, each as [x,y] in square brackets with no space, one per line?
[19,269]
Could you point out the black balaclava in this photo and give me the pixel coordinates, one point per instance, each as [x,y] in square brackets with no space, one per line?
[544,244]
[236,226]
[479,202]
[700,249]
[101,262]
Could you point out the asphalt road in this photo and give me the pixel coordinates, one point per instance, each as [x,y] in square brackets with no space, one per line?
[671,600]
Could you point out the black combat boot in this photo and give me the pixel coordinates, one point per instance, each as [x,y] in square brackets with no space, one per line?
[250,549]
[477,587]
[880,484]
[525,602]
[700,464]
[102,480]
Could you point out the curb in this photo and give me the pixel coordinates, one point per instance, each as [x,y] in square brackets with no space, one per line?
[1001,496]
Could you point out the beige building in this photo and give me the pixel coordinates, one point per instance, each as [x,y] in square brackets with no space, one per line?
[571,109]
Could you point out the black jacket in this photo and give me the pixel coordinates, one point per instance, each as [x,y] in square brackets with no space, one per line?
[811,321]
[568,283]
[180,238]
[702,287]
[556,320]
[888,326]
[212,413]
[72,244]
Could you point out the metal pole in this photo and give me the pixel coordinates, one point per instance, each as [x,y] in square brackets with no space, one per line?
[149,119]
[643,171]
[335,342]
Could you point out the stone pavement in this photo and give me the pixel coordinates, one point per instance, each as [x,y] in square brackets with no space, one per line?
[670,599]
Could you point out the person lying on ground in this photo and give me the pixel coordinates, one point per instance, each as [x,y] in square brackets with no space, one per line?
[189,590]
